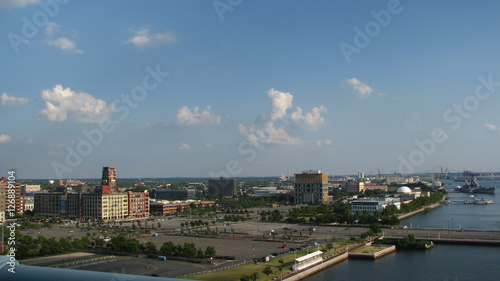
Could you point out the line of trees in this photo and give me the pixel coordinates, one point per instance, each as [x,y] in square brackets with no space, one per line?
[188,250]
[27,246]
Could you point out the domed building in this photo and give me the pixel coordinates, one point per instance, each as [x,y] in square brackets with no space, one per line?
[404,190]
[406,194]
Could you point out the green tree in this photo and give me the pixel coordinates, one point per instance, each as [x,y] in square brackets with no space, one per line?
[150,247]
[200,254]
[210,251]
[167,249]
[189,250]
[267,270]
[375,227]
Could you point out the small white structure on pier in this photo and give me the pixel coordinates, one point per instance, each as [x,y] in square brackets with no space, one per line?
[307,260]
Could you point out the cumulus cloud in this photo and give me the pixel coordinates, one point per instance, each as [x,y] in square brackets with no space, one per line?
[492,127]
[310,120]
[268,134]
[30,141]
[6,100]
[143,38]
[185,146]
[4,138]
[65,44]
[62,104]
[190,117]
[209,145]
[281,103]
[7,4]
[362,88]
[51,28]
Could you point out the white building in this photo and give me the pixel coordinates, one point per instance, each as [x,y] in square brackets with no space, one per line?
[307,260]
[373,204]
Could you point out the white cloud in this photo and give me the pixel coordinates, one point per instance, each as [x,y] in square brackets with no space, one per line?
[281,103]
[7,4]
[185,146]
[62,104]
[65,44]
[266,132]
[324,142]
[144,38]
[440,134]
[189,117]
[209,145]
[362,88]
[4,138]
[310,120]
[6,100]
[30,141]
[492,127]
[51,28]
[267,135]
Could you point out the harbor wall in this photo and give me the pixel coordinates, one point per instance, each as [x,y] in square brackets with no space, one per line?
[315,268]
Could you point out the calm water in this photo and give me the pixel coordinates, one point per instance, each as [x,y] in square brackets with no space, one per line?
[459,215]
[443,262]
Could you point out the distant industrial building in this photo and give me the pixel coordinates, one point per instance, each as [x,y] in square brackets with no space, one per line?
[222,188]
[373,204]
[311,187]
[176,193]
[361,186]
[398,180]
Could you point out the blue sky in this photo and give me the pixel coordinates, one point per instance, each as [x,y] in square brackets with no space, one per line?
[248,88]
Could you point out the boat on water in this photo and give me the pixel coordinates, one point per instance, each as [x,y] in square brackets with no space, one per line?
[483,201]
[471,186]
[468,202]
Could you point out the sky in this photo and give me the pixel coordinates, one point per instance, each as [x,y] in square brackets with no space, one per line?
[240,88]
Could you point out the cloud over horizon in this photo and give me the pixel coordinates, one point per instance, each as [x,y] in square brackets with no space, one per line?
[4,138]
[190,117]
[143,38]
[63,104]
[6,100]
[492,127]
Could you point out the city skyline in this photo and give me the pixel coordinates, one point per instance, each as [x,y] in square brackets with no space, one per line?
[247,88]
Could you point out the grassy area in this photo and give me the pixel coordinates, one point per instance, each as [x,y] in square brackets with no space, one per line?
[236,273]
[369,249]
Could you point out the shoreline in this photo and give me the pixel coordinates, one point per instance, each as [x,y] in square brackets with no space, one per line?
[424,209]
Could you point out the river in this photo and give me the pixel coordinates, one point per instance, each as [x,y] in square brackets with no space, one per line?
[443,262]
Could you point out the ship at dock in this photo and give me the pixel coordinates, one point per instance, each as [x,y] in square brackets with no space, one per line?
[471,186]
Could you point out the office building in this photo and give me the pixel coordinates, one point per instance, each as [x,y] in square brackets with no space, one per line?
[138,204]
[311,187]
[222,188]
[176,193]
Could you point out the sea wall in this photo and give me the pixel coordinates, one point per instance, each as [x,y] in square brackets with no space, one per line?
[315,268]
